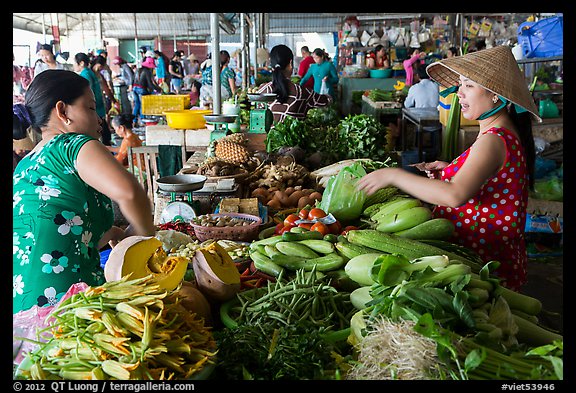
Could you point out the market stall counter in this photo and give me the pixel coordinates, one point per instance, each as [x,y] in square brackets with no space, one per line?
[350,86]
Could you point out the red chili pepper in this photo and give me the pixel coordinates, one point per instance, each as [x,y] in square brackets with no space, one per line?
[264,276]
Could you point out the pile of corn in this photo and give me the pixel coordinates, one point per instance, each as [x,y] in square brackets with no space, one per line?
[126,329]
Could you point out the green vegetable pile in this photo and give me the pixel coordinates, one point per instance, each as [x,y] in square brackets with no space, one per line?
[265,352]
[356,136]
[291,329]
[483,330]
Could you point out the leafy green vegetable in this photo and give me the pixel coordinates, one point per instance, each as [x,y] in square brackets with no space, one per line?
[365,137]
[265,352]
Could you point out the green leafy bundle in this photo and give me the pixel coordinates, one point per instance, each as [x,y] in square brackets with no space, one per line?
[365,137]
[265,352]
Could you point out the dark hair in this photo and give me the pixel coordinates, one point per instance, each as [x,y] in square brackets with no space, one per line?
[47,47]
[523,123]
[421,71]
[305,49]
[82,57]
[411,51]
[19,128]
[49,87]
[280,58]
[124,119]
[224,56]
[98,60]
[320,53]
[197,84]
[454,50]
[378,47]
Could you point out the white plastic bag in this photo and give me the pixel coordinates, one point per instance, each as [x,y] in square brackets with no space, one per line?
[324,88]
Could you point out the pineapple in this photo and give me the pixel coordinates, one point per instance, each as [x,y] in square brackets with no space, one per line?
[231,151]
[235,138]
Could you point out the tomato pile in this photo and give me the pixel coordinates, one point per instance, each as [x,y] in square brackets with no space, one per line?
[311,214]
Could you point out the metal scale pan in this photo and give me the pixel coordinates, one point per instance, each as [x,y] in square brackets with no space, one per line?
[182,185]
[268,97]
[220,118]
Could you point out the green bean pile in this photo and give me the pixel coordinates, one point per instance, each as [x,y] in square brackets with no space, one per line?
[307,297]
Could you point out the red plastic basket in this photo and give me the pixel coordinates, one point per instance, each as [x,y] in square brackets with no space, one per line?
[245,233]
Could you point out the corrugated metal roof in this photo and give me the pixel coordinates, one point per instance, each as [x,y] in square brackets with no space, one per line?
[150,25]
[191,25]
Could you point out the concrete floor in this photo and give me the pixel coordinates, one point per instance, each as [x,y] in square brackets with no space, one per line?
[545,283]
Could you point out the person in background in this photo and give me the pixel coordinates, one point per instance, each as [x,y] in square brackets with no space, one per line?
[323,70]
[105,70]
[24,136]
[484,191]
[122,126]
[206,89]
[292,99]
[304,65]
[99,66]
[195,93]
[414,56]
[381,58]
[451,52]
[17,76]
[82,67]
[46,60]
[194,68]
[63,192]
[424,93]
[126,79]
[227,76]
[144,84]
[176,70]
[162,76]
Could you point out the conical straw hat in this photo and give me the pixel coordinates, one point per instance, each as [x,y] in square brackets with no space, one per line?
[495,69]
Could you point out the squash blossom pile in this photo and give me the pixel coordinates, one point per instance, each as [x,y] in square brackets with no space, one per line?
[124,329]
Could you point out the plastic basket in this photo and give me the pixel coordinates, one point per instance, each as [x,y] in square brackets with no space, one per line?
[187,119]
[153,104]
[544,38]
[245,233]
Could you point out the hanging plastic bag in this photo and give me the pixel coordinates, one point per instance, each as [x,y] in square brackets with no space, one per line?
[324,88]
[341,197]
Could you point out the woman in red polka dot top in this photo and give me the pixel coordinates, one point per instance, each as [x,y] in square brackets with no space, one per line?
[484,191]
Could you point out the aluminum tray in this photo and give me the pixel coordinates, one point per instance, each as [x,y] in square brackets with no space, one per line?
[269,97]
[220,118]
[181,183]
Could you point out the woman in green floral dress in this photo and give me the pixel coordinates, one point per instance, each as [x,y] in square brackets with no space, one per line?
[62,192]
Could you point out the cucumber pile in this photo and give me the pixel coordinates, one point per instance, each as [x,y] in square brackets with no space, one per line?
[407,217]
[293,251]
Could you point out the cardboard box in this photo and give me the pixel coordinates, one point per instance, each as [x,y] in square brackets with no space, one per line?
[197,137]
[256,142]
[164,135]
[444,104]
